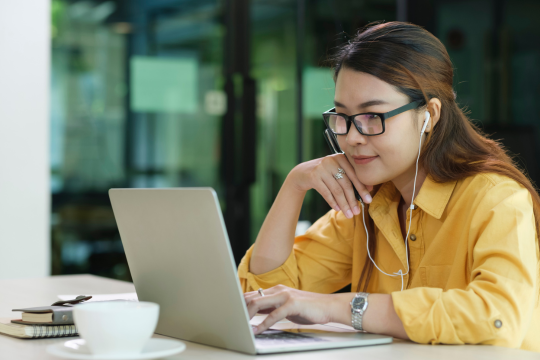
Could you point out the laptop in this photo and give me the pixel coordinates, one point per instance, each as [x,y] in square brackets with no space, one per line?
[180,257]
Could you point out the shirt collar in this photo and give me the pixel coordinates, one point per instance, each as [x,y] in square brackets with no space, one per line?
[432,197]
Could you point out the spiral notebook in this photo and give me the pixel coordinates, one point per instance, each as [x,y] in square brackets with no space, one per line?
[35,331]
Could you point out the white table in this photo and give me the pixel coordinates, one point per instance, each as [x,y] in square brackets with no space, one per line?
[42,291]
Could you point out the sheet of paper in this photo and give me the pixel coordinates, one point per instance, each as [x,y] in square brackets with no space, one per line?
[104,297]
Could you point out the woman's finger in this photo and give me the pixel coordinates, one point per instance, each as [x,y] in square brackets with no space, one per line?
[250,295]
[326,193]
[266,311]
[266,302]
[347,187]
[349,170]
[338,193]
[261,303]
[272,318]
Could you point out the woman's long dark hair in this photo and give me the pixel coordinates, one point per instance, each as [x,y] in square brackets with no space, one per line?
[417,64]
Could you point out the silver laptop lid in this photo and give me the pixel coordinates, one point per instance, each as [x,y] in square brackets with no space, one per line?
[179,256]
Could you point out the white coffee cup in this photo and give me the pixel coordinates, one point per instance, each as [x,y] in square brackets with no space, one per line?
[116,327]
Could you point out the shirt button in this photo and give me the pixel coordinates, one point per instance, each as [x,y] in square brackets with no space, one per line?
[413,237]
[498,324]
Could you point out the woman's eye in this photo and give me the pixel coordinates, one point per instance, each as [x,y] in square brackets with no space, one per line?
[371,116]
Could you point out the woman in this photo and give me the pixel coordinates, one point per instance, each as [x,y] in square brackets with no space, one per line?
[451,223]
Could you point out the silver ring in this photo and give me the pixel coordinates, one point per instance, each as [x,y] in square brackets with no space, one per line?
[339,174]
[261,292]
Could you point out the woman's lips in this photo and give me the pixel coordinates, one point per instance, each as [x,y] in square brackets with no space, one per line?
[361,160]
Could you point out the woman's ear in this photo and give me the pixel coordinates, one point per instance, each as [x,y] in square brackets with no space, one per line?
[434,108]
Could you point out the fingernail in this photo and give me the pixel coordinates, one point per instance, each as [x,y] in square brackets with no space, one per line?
[338,208]
[255,329]
[367,198]
[356,210]
[349,214]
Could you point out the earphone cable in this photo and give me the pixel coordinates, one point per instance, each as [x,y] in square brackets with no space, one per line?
[400,272]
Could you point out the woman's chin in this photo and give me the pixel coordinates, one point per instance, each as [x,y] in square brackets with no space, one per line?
[373,179]
[370,182]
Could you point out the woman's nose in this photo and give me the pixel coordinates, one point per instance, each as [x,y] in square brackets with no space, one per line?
[355,138]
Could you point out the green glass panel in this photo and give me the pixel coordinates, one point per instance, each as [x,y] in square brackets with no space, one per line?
[164,85]
[318,89]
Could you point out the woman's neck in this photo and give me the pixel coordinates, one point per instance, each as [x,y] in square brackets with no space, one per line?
[405,184]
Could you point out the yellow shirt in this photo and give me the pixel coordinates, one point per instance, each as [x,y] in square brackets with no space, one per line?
[473,266]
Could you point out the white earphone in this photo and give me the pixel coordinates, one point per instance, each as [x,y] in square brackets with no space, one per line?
[400,272]
[426,122]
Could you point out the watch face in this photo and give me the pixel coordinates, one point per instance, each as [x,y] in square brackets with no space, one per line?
[359,304]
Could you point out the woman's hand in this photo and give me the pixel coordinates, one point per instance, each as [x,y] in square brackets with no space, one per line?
[276,237]
[300,307]
[307,308]
[319,174]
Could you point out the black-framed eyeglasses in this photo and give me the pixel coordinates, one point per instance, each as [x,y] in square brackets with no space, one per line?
[368,124]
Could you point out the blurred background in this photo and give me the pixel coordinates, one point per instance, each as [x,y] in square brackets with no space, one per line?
[229,94]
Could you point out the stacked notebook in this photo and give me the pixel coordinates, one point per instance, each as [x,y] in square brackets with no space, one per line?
[35,331]
[43,322]
[55,320]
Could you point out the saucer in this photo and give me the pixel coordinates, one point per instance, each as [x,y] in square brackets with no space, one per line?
[155,348]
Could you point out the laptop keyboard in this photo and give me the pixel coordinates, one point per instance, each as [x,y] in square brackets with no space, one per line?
[275,337]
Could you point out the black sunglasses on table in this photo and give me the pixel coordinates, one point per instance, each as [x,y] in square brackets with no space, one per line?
[368,124]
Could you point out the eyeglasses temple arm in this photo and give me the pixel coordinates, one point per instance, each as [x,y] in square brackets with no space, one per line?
[404,108]
[331,142]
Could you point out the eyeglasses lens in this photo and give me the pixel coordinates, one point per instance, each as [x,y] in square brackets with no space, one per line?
[370,124]
[338,124]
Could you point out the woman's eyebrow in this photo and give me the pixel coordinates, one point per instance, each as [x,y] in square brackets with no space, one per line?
[364,104]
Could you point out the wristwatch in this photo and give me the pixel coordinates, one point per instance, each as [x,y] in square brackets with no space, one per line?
[358,306]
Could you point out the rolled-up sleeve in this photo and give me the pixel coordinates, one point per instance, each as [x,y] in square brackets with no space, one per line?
[321,260]
[497,305]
